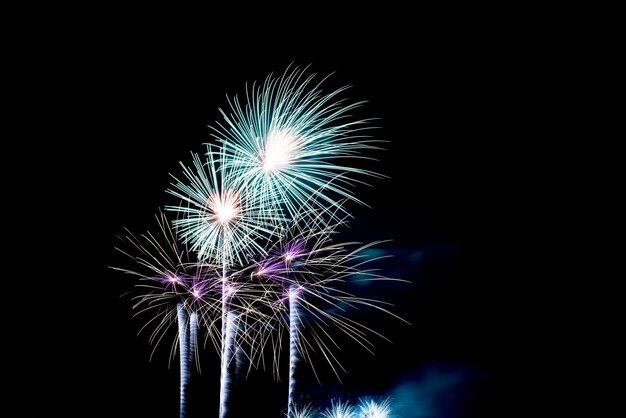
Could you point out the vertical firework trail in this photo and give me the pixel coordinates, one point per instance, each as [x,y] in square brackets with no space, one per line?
[228,333]
[224,348]
[183,345]
[227,358]
[294,321]
[193,336]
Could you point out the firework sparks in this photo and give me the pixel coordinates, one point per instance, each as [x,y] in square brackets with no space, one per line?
[339,409]
[292,142]
[224,208]
[304,275]
[294,321]
[281,148]
[221,222]
[168,276]
[183,337]
[228,352]
[373,409]
[272,191]
[304,411]
[173,290]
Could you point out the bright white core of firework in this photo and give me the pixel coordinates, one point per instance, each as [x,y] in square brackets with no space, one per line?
[280,147]
[224,207]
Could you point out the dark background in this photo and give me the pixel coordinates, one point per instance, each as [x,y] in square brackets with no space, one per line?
[452,104]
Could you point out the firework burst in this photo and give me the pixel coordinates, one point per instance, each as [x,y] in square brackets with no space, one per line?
[339,409]
[293,143]
[304,411]
[168,276]
[373,409]
[172,290]
[304,274]
[224,223]
[257,216]
[221,221]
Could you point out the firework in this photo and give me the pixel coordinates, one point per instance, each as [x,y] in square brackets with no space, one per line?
[304,411]
[256,216]
[229,332]
[292,143]
[296,147]
[172,289]
[305,272]
[168,276]
[183,338]
[220,220]
[224,223]
[294,320]
[339,409]
[373,409]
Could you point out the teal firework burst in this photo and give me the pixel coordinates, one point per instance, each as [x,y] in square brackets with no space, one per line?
[295,144]
[221,221]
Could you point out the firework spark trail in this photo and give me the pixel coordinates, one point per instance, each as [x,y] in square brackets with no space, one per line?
[193,338]
[224,377]
[183,342]
[228,354]
[294,322]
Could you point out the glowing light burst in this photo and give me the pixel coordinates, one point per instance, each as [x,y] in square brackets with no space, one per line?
[304,411]
[223,208]
[222,223]
[281,148]
[339,409]
[293,143]
[373,409]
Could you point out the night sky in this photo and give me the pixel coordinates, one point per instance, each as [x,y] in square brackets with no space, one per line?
[446,107]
